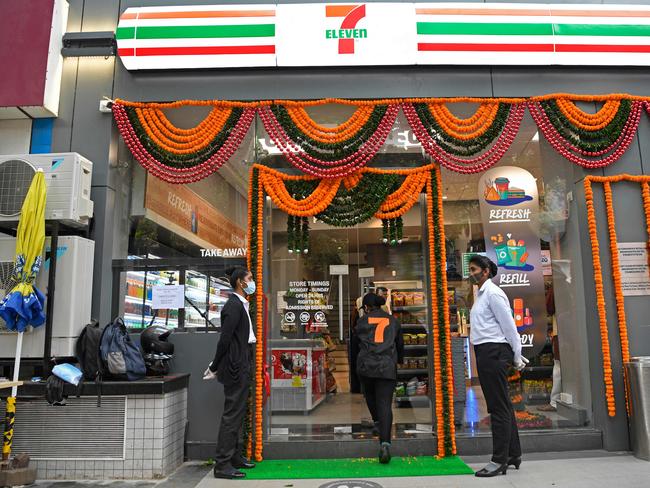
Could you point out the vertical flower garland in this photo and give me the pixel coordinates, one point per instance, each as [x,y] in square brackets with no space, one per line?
[618,289]
[645,192]
[251,259]
[441,340]
[260,345]
[600,300]
[643,181]
[443,312]
[434,271]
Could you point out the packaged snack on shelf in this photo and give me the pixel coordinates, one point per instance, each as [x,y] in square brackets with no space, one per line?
[400,389]
[422,339]
[418,298]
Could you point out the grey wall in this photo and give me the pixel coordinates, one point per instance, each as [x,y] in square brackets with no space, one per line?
[82,128]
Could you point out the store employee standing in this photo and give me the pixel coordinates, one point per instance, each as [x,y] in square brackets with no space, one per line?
[231,366]
[497,346]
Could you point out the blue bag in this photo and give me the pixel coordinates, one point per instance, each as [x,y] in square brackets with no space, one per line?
[121,358]
[67,372]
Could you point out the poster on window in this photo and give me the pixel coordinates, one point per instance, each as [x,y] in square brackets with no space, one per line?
[509,206]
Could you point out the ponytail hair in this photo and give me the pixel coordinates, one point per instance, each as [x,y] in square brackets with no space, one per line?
[484,262]
[235,274]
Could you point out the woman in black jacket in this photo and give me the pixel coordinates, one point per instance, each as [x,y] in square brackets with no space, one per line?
[381,349]
[232,367]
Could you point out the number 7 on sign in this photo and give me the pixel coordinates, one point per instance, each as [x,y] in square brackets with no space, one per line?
[381,323]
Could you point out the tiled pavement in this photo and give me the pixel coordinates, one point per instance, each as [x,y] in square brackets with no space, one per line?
[593,469]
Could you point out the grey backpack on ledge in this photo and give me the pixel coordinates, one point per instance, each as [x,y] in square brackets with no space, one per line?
[121,358]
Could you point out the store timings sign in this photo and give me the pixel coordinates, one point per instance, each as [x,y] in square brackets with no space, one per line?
[509,204]
[383,34]
[306,304]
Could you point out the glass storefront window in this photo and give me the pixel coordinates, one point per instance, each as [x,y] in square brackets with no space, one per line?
[313,391]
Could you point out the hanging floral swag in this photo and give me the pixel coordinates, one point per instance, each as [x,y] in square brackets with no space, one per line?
[346,201]
[644,182]
[464,145]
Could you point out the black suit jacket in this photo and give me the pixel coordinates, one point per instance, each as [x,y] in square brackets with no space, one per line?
[232,359]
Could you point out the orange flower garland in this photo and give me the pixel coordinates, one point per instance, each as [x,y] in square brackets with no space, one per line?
[588,121]
[447,342]
[618,289]
[465,129]
[600,300]
[260,345]
[330,135]
[643,180]
[436,332]
[645,192]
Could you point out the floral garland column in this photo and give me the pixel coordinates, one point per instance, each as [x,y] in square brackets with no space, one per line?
[600,300]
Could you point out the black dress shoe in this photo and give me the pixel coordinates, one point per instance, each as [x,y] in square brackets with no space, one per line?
[515,461]
[243,463]
[492,469]
[384,453]
[228,473]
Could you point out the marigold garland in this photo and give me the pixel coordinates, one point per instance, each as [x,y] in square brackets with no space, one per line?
[600,300]
[468,145]
[618,288]
[643,181]
[266,181]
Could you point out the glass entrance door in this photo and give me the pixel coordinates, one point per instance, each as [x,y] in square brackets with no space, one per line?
[313,297]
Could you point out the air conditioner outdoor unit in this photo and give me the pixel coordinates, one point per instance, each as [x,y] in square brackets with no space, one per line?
[68,178]
[72,302]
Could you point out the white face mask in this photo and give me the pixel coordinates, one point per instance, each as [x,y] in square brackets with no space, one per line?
[249,287]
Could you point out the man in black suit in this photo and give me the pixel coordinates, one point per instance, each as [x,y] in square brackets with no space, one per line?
[232,367]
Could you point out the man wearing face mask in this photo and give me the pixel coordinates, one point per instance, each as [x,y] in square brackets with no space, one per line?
[497,346]
[232,367]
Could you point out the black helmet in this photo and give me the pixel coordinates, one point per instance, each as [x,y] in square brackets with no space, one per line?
[154,340]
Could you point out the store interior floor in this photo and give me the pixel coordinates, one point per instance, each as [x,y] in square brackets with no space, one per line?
[342,415]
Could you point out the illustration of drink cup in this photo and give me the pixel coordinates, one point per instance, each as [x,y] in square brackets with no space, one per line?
[502,185]
[517,254]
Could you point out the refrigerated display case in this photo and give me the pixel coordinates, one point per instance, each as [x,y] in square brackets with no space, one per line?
[298,375]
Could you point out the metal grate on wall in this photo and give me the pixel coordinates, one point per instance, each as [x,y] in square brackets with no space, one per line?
[78,430]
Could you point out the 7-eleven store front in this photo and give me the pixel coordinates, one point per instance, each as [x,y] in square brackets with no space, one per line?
[384,186]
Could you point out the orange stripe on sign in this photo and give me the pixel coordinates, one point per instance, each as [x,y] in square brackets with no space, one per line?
[338,10]
[481,11]
[128,16]
[600,13]
[207,14]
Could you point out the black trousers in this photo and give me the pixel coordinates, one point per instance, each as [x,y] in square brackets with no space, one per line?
[379,397]
[493,361]
[230,443]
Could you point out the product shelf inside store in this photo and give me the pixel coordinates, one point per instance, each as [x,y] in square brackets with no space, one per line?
[414,372]
[411,347]
[407,308]
[139,300]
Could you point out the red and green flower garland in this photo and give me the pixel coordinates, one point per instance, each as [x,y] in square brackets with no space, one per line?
[469,145]
[305,196]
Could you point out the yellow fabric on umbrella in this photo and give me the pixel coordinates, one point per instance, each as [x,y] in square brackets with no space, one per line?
[23,305]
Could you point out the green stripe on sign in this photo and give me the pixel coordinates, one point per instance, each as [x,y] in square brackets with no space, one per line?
[601,30]
[474,28]
[206,31]
[125,33]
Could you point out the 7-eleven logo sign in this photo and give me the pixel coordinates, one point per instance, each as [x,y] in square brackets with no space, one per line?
[351,15]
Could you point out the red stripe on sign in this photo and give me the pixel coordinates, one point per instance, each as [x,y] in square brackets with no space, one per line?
[126,51]
[451,46]
[601,48]
[204,50]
